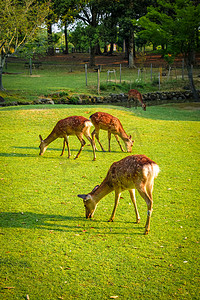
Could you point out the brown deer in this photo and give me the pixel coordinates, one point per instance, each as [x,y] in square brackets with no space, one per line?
[137,96]
[113,125]
[130,173]
[75,125]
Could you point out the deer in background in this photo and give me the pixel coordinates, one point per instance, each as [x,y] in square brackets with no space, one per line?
[137,96]
[107,122]
[75,125]
[130,173]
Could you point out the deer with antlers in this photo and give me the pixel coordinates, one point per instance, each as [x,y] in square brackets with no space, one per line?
[130,173]
[112,125]
[136,96]
[74,125]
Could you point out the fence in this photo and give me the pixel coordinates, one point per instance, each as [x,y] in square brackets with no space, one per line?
[145,73]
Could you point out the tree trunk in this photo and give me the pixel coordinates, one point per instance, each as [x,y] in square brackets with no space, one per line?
[1,82]
[126,48]
[2,63]
[66,40]
[98,50]
[190,57]
[111,48]
[50,50]
[105,49]
[131,62]
[92,56]
[191,81]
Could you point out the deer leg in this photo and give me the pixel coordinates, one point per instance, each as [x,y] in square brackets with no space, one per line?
[97,137]
[117,196]
[109,139]
[117,139]
[63,149]
[92,144]
[132,195]
[82,145]
[136,103]
[93,139]
[149,201]
[66,142]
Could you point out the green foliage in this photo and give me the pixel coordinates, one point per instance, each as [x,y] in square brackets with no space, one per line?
[19,22]
[50,251]
[37,47]
[78,37]
[113,87]
[169,58]
[172,23]
[74,100]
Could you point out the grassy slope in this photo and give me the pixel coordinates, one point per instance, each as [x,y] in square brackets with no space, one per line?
[20,86]
[50,251]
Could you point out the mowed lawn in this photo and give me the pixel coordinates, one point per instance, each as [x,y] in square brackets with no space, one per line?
[50,251]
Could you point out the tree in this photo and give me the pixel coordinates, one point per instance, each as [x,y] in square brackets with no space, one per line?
[79,37]
[66,11]
[91,15]
[19,22]
[175,23]
[129,12]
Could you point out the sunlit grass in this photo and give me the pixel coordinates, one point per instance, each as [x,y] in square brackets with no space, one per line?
[50,251]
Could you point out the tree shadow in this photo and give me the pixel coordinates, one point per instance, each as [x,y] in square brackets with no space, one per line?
[12,154]
[30,220]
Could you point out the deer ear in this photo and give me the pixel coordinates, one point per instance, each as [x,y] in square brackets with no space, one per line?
[95,188]
[83,196]
[41,139]
[130,137]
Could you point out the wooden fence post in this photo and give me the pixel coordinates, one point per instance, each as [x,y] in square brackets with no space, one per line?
[30,65]
[183,69]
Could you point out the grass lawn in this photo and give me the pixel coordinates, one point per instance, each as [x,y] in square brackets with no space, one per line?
[20,86]
[50,251]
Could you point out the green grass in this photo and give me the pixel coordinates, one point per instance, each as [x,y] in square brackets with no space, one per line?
[50,251]
[20,86]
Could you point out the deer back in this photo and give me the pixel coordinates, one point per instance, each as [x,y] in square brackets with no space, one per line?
[131,171]
[135,95]
[107,122]
[72,125]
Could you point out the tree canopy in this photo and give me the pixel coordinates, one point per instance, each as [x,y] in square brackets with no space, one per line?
[176,25]
[19,21]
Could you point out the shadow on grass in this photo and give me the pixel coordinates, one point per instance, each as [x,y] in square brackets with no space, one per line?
[29,220]
[13,154]
[72,150]
[16,155]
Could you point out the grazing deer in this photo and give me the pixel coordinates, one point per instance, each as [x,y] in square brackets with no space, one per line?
[75,125]
[113,125]
[135,171]
[137,96]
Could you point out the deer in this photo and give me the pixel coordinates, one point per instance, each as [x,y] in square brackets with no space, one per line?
[74,125]
[130,173]
[112,125]
[137,96]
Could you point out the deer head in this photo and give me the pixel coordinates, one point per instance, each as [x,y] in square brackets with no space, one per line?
[129,144]
[89,203]
[42,146]
[144,106]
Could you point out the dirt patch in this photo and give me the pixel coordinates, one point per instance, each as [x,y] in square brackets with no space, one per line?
[115,59]
[31,76]
[187,106]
